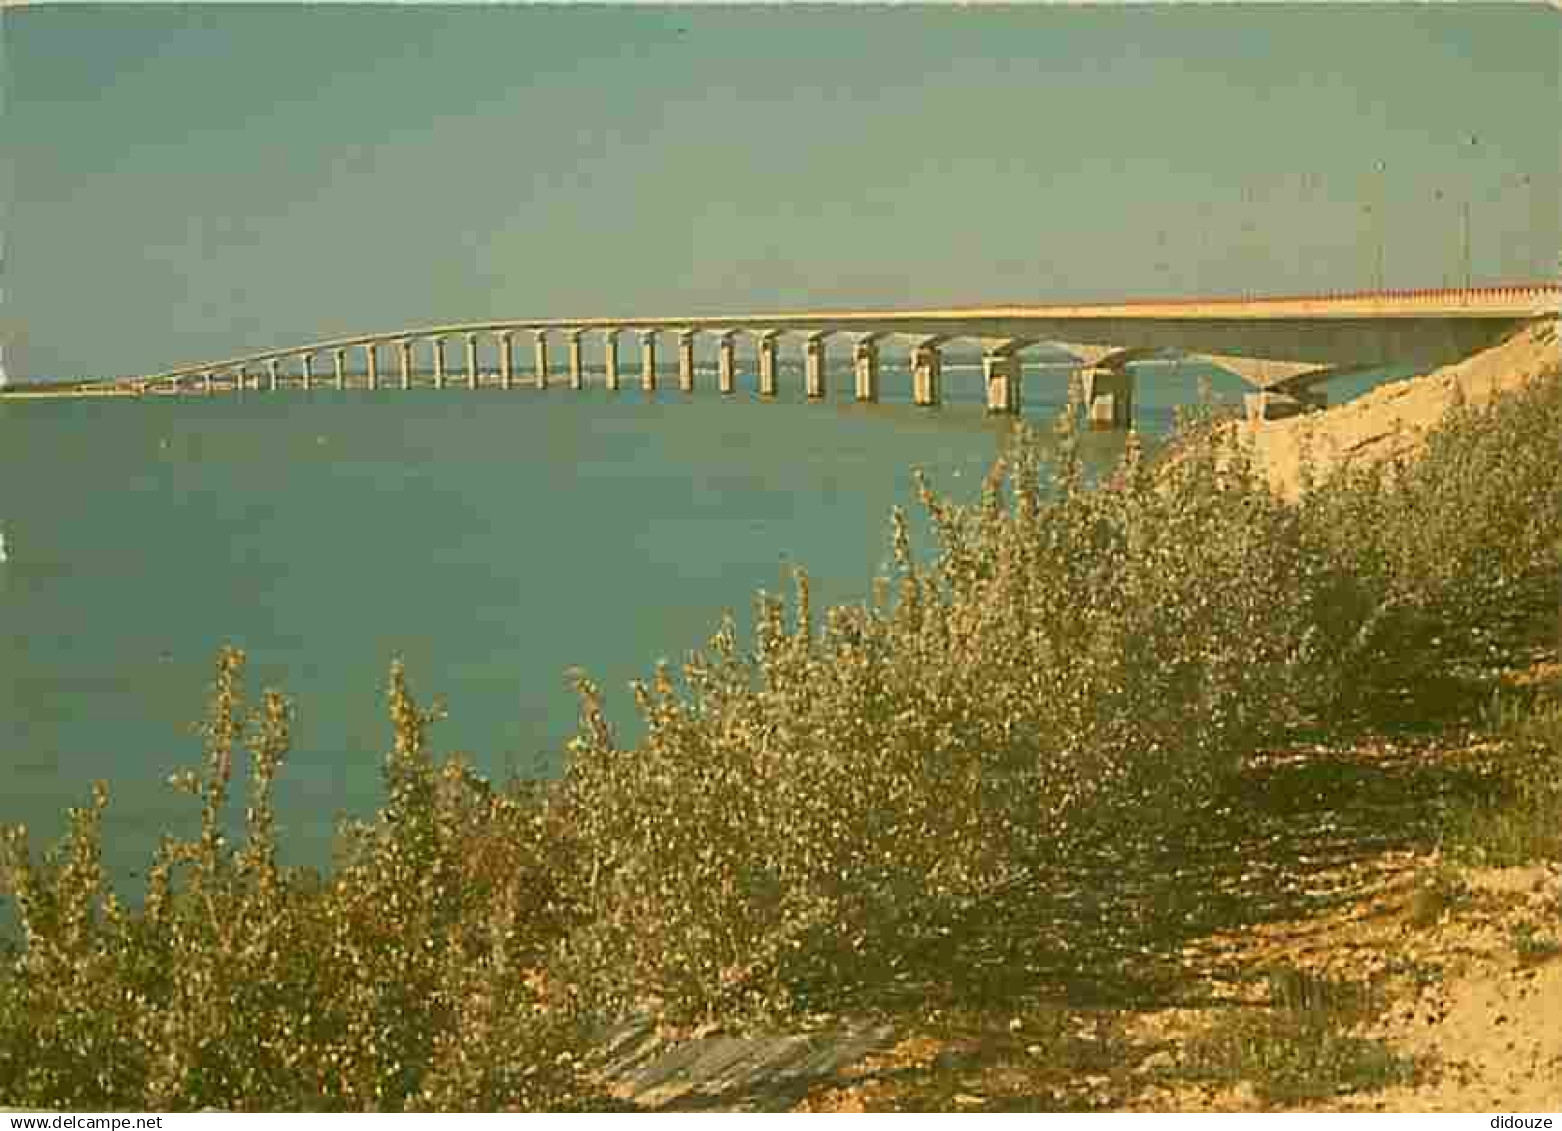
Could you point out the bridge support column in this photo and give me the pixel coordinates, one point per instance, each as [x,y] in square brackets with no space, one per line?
[504,340]
[439,362]
[471,361]
[542,358]
[309,371]
[404,349]
[1001,373]
[648,360]
[1275,404]
[271,375]
[610,359]
[1109,398]
[727,364]
[927,375]
[339,367]
[686,361]
[577,365]
[767,364]
[206,383]
[865,363]
[813,366]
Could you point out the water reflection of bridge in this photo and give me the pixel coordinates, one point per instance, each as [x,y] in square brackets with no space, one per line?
[1285,347]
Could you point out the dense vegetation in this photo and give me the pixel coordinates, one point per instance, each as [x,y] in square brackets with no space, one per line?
[808,814]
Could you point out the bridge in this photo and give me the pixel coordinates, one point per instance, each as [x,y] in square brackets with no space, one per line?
[1286,347]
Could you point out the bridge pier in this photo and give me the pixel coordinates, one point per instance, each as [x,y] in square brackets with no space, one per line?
[727,364]
[767,363]
[271,374]
[506,341]
[371,350]
[404,354]
[686,361]
[813,366]
[927,375]
[648,360]
[610,358]
[1276,404]
[1001,374]
[309,371]
[1109,398]
[206,382]
[542,358]
[439,361]
[577,365]
[471,361]
[865,364]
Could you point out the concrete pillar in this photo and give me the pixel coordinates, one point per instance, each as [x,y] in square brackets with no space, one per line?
[471,361]
[813,366]
[686,361]
[542,359]
[927,375]
[206,383]
[1272,404]
[1001,374]
[505,341]
[767,364]
[727,364]
[339,367]
[577,364]
[439,362]
[648,360]
[865,361]
[271,374]
[372,352]
[610,358]
[309,371]
[404,350]
[1109,398]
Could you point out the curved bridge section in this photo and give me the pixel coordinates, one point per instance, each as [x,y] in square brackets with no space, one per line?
[1284,346]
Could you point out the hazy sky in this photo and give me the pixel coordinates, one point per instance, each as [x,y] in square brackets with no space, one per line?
[186,182]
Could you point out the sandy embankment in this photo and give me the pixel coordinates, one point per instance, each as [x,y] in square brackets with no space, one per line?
[1394,419]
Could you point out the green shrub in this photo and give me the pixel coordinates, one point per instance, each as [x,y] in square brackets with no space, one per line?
[1069,669]
[398,984]
[1424,557]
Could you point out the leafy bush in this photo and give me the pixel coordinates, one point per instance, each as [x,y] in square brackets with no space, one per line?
[400,984]
[1425,556]
[1071,668]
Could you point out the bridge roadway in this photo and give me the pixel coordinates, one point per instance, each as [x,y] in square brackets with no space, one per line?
[1284,346]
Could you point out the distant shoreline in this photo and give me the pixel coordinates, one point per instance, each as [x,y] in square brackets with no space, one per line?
[19,393]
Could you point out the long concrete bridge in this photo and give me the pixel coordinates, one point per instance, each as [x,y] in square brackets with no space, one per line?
[1285,347]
